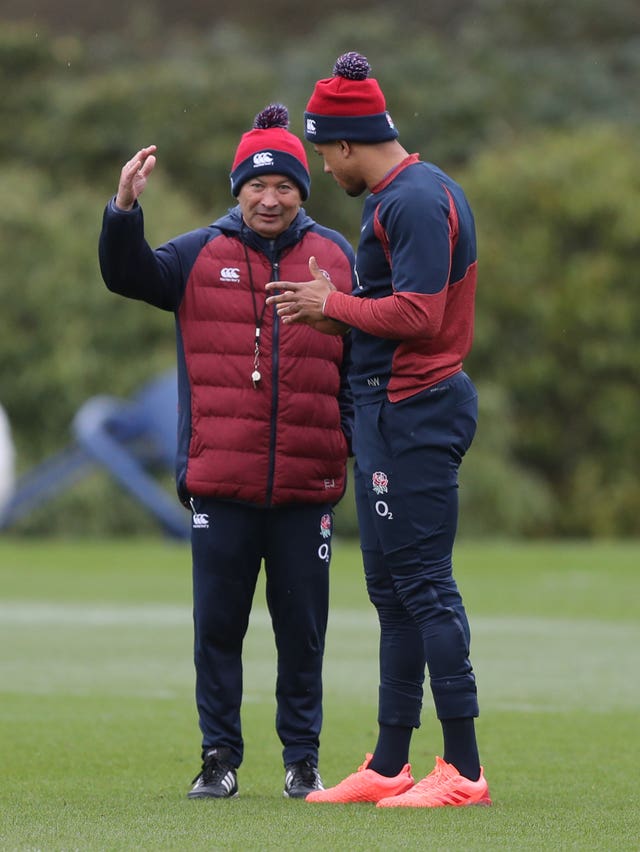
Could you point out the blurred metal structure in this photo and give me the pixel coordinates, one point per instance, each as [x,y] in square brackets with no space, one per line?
[7,459]
[128,438]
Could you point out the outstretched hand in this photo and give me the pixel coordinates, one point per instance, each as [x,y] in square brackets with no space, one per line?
[302,301]
[133,177]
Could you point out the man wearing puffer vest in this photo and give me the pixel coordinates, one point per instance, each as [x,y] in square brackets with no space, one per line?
[264,426]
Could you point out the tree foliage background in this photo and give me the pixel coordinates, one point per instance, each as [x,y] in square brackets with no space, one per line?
[533,107]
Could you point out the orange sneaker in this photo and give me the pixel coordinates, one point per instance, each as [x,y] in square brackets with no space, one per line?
[443,786]
[365,785]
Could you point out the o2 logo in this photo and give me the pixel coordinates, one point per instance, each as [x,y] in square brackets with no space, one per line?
[383,510]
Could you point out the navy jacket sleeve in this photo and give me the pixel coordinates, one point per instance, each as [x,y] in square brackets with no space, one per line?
[130,267]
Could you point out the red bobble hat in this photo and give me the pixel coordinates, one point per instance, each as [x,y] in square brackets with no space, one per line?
[350,105]
[270,149]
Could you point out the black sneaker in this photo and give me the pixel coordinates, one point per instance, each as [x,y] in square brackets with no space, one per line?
[218,779]
[300,779]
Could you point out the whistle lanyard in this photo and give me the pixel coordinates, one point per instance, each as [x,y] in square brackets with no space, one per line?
[258,318]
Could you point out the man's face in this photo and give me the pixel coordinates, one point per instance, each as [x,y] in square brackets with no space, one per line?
[269,204]
[339,161]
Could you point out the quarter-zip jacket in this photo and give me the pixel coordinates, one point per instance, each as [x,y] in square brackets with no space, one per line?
[417,269]
[286,439]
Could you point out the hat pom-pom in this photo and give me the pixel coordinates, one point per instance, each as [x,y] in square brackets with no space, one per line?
[275,115]
[352,66]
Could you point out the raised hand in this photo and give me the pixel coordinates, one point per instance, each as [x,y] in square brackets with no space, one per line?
[133,177]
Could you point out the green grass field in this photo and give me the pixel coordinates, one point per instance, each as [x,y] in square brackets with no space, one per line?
[99,738]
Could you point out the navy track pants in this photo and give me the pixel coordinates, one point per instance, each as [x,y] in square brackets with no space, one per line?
[229,543]
[406,480]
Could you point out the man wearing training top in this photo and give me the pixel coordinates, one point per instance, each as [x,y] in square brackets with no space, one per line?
[411,318]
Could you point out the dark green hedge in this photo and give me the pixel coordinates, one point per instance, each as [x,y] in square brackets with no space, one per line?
[536,115]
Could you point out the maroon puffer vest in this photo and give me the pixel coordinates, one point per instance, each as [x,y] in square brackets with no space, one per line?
[281,442]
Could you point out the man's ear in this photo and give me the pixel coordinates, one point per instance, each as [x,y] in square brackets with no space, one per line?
[344,147]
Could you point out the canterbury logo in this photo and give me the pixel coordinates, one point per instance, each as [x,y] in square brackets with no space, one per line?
[262,158]
[230,273]
[311,125]
[200,521]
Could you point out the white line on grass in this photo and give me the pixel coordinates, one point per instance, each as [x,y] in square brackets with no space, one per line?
[154,615]
[522,663]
